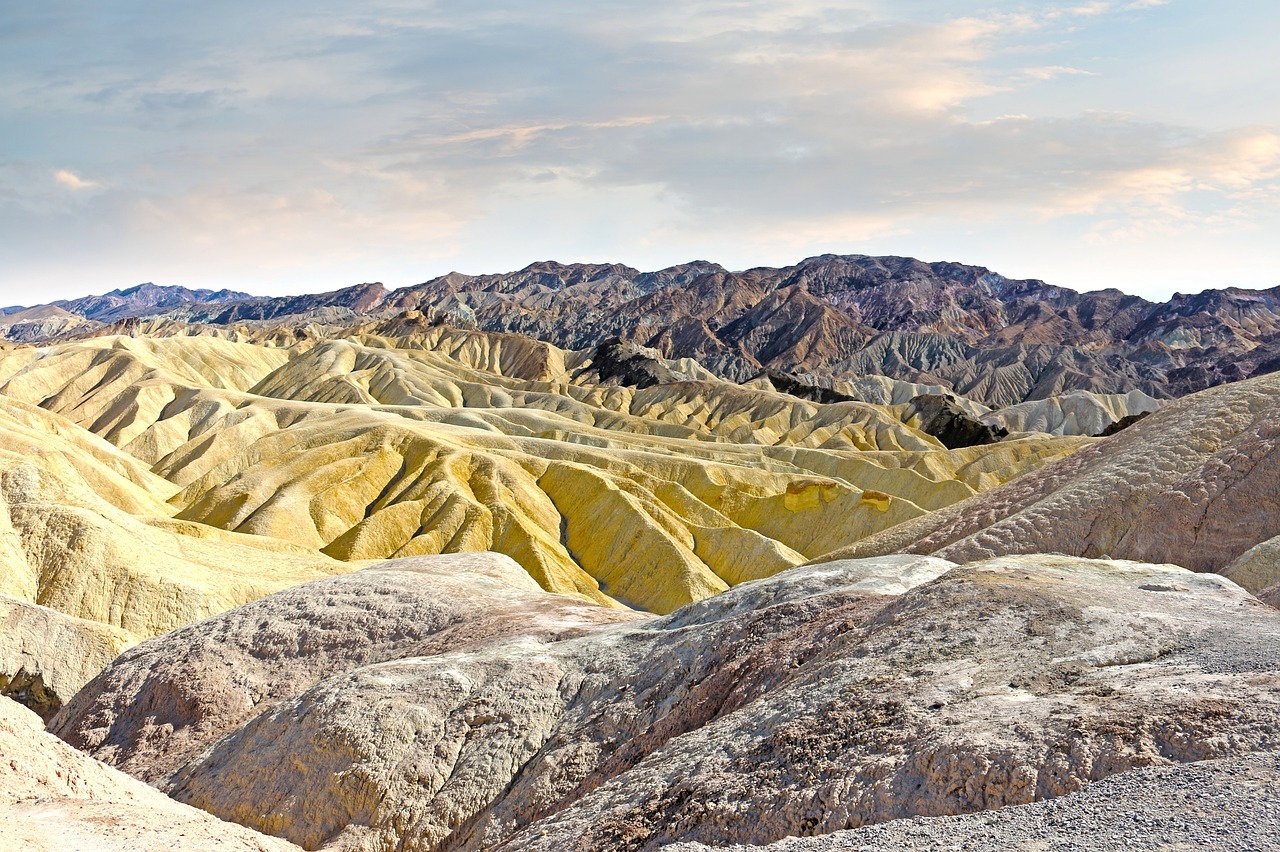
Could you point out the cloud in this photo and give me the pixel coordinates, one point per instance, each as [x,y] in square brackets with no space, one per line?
[1098,7]
[72,181]
[282,135]
[1050,72]
[1218,184]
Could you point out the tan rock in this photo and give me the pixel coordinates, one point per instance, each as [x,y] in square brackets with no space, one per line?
[445,441]
[1197,484]
[55,799]
[85,532]
[204,681]
[804,703]
[46,657]
[1076,413]
[1258,568]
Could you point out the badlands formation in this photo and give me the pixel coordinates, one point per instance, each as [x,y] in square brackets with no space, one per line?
[351,572]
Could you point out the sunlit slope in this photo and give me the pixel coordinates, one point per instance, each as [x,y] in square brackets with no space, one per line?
[91,557]
[1077,413]
[447,441]
[1196,483]
[85,530]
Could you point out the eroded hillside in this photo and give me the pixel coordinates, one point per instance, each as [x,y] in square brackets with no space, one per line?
[402,439]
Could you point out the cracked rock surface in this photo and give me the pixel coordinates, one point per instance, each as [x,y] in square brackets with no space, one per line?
[1228,805]
[824,698]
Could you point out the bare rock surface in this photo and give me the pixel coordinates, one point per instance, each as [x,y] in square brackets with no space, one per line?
[998,340]
[1075,413]
[1258,568]
[55,799]
[942,416]
[1229,804]
[166,700]
[47,656]
[91,561]
[1196,483]
[805,703]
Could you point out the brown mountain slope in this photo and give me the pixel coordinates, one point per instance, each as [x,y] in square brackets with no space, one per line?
[996,340]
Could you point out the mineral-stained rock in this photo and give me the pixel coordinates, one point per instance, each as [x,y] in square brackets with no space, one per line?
[804,703]
[405,439]
[993,339]
[144,299]
[1258,568]
[1075,413]
[1227,805]
[990,338]
[205,680]
[620,362]
[55,799]
[90,562]
[1122,424]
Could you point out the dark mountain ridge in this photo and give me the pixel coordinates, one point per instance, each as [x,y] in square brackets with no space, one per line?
[142,300]
[991,338]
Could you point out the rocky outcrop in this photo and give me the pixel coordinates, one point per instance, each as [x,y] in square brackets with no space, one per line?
[797,387]
[942,416]
[55,799]
[1258,568]
[620,362]
[1123,423]
[1076,413]
[245,662]
[1215,804]
[820,699]
[46,657]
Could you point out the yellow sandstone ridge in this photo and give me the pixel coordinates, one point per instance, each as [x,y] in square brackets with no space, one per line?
[236,466]
[90,553]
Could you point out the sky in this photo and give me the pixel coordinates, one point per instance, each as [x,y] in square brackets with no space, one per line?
[287,147]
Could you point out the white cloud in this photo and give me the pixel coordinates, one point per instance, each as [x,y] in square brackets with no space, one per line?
[1098,7]
[72,181]
[1050,72]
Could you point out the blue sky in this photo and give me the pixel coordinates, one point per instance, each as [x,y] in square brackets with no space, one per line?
[284,147]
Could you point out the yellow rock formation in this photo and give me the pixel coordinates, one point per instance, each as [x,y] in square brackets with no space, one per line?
[372,445]
[85,530]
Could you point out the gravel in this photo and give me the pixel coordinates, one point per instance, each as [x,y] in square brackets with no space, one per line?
[1229,804]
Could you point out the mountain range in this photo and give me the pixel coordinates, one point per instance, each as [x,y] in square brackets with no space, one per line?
[996,340]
